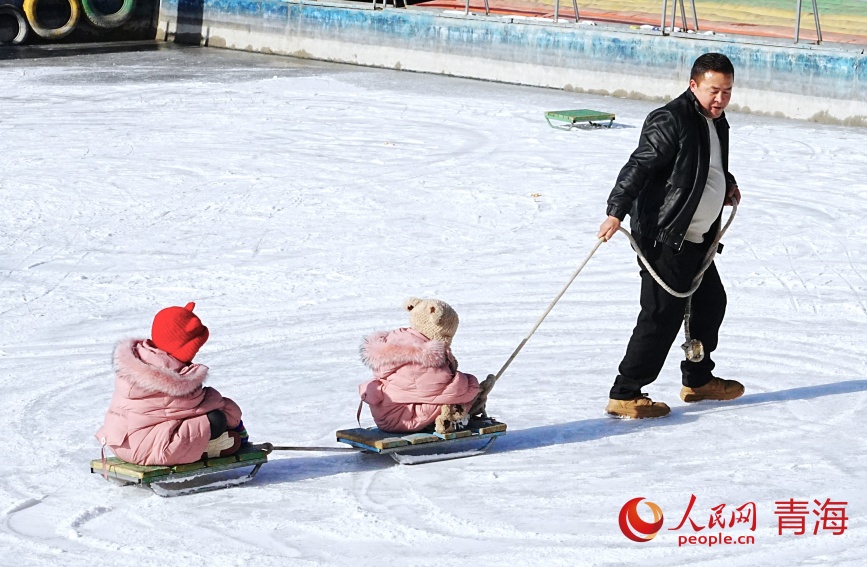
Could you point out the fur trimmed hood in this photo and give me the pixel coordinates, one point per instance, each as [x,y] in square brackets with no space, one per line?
[150,369]
[402,346]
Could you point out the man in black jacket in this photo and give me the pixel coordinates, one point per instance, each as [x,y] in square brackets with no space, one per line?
[673,187]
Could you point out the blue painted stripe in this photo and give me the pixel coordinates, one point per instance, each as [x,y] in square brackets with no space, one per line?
[837,74]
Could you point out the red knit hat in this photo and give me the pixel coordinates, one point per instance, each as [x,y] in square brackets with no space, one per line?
[179,332]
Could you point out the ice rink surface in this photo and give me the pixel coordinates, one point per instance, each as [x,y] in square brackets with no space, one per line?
[298,204]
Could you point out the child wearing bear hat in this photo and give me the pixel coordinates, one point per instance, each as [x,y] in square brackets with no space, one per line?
[160,413]
[416,382]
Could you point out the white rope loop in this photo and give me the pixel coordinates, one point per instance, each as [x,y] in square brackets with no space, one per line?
[693,349]
[708,260]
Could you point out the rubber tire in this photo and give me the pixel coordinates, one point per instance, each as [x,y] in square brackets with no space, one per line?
[56,33]
[107,21]
[23,28]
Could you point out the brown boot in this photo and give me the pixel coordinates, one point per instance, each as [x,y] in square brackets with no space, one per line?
[637,408]
[716,389]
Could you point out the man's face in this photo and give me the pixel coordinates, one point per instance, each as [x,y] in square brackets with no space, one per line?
[713,91]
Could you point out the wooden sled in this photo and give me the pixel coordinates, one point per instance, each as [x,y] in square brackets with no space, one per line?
[572,117]
[200,476]
[416,448]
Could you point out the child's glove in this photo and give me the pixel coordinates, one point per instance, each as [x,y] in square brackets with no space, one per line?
[242,433]
[478,407]
[226,444]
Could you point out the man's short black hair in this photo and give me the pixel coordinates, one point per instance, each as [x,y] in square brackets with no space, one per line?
[716,62]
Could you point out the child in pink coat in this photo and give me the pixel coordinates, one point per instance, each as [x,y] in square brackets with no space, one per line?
[160,413]
[416,382]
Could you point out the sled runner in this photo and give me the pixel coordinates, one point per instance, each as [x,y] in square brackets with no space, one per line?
[200,476]
[572,117]
[416,448]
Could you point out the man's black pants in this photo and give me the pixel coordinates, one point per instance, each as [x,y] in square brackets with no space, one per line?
[662,315]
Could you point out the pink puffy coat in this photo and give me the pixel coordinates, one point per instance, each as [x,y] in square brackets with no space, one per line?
[412,380]
[157,414]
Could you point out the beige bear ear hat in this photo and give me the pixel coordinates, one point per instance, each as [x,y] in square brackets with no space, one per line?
[432,318]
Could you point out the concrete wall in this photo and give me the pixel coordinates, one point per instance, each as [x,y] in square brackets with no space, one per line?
[805,82]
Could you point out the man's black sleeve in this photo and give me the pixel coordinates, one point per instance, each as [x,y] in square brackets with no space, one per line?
[657,147]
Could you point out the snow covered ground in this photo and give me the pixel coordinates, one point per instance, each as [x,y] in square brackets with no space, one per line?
[298,204]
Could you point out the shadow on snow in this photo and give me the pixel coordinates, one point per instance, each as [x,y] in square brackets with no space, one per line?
[592,429]
[302,468]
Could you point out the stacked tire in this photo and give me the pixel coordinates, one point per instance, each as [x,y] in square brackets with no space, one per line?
[56,19]
[13,25]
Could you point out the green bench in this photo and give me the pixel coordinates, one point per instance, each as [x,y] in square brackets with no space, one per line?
[572,117]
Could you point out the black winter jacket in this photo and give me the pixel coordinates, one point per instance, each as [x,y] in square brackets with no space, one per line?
[662,182]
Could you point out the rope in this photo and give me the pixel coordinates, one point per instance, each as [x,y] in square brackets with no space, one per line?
[694,349]
[550,307]
[269,447]
[708,260]
[478,405]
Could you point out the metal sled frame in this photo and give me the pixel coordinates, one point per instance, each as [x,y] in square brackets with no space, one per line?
[417,448]
[161,479]
[572,117]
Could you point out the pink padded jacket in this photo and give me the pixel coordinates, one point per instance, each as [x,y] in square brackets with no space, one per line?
[157,414]
[412,379]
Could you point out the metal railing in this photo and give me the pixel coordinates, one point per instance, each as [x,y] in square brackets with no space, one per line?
[557,9]
[815,17]
[676,6]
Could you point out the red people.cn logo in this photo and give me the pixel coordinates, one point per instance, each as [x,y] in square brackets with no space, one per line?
[634,527]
